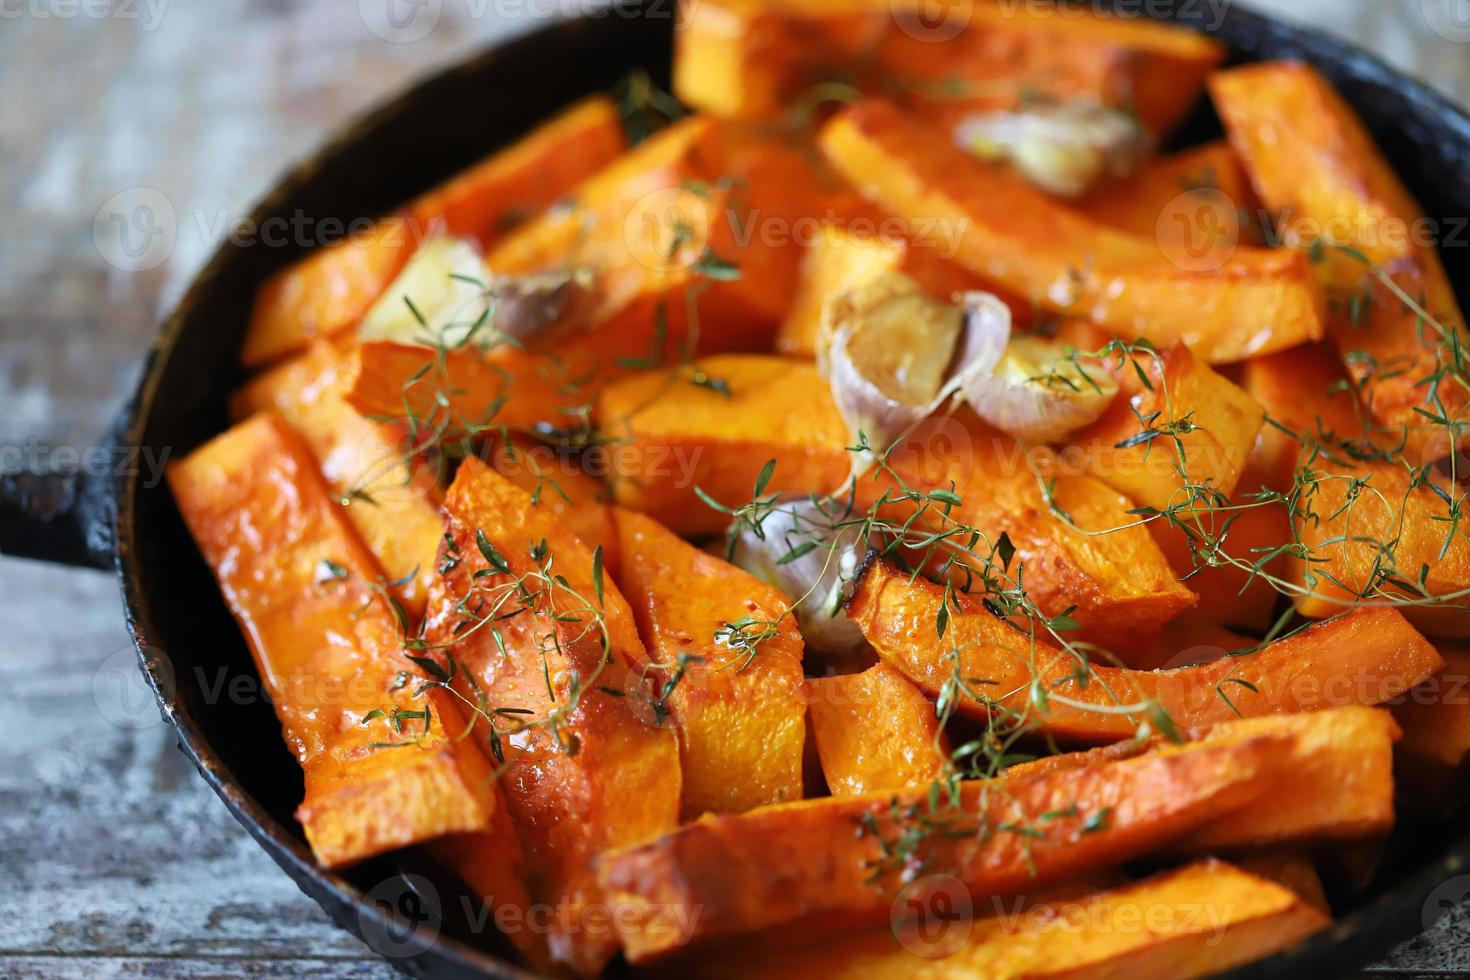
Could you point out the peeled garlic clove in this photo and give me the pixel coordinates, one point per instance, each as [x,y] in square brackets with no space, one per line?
[1040,391]
[440,282]
[816,578]
[888,352]
[1064,148]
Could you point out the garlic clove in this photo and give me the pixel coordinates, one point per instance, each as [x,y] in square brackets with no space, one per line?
[1064,148]
[1041,390]
[893,355]
[816,579]
[440,282]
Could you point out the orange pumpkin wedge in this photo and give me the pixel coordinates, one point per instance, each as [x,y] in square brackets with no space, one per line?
[546,652]
[751,60]
[1367,657]
[383,767]
[875,732]
[1330,189]
[821,863]
[1194,921]
[740,714]
[1228,305]
[391,500]
[330,290]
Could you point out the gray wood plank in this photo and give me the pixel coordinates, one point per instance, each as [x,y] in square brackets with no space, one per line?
[192,968]
[109,844]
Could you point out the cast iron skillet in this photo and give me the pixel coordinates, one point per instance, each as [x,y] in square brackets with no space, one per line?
[187,642]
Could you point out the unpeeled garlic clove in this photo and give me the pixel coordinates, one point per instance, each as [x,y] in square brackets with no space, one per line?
[814,579]
[1041,391]
[893,355]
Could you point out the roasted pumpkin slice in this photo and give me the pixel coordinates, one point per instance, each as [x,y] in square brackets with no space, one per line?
[332,289]
[1370,526]
[1367,657]
[1393,315]
[1179,441]
[1193,199]
[1227,306]
[737,58]
[1337,783]
[875,732]
[673,438]
[822,863]
[1204,918]
[491,198]
[531,631]
[384,767]
[390,497]
[726,666]
[526,624]
[1435,752]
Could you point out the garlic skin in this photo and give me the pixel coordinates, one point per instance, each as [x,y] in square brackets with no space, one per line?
[888,351]
[1040,392]
[817,581]
[526,305]
[1064,148]
[460,303]
[434,281]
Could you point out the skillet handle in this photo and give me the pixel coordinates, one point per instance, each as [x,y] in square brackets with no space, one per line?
[60,516]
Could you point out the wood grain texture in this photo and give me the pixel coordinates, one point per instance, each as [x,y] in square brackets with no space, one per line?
[115,860]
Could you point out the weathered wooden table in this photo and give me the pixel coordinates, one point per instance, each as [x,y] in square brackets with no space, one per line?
[114,858]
